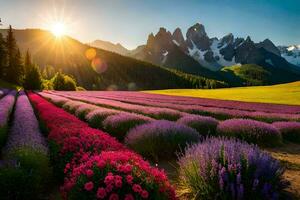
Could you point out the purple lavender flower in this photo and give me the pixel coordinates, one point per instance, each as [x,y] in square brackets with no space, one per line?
[24,133]
[251,131]
[57,100]
[289,130]
[6,105]
[204,125]
[96,117]
[160,138]
[155,112]
[243,163]
[118,125]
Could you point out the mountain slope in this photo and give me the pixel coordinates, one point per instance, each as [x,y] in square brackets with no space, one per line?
[163,49]
[105,45]
[291,54]
[107,71]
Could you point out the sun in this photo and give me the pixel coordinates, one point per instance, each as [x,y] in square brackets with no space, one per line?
[58,29]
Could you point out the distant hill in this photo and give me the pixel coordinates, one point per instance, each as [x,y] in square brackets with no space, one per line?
[109,71]
[251,75]
[105,45]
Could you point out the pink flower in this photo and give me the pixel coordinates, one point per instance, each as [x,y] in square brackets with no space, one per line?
[129,179]
[109,188]
[109,179]
[144,194]
[137,188]
[101,193]
[118,183]
[89,186]
[129,197]
[128,168]
[114,196]
[89,173]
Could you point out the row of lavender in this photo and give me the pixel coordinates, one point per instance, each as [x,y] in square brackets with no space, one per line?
[6,106]
[223,169]
[25,165]
[239,105]
[175,109]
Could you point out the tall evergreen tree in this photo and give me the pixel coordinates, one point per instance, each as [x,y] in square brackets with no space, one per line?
[2,56]
[27,61]
[33,78]
[14,70]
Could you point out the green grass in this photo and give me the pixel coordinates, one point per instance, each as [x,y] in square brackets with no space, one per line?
[279,94]
[4,84]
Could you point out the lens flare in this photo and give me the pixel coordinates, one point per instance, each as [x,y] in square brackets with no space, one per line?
[98,65]
[90,53]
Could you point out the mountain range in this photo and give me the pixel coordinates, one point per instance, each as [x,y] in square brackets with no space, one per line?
[197,53]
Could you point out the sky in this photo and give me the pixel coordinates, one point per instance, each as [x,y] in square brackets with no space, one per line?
[129,22]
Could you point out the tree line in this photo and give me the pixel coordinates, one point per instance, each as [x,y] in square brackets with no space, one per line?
[20,70]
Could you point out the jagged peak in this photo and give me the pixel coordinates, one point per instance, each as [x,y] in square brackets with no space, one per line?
[197,28]
[248,39]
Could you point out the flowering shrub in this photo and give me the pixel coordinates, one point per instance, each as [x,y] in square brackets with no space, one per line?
[251,131]
[83,110]
[117,175]
[72,106]
[118,125]
[6,106]
[71,147]
[204,125]
[96,117]
[222,168]
[57,100]
[160,138]
[289,130]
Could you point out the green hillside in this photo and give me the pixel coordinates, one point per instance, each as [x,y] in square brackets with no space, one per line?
[280,94]
[254,75]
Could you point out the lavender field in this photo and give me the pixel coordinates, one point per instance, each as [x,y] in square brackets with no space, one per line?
[96,145]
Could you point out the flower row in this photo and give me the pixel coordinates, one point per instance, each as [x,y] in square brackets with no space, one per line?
[25,132]
[95,165]
[6,106]
[26,170]
[248,106]
[155,112]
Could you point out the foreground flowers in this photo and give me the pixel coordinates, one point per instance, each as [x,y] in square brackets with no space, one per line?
[94,164]
[229,169]
[26,171]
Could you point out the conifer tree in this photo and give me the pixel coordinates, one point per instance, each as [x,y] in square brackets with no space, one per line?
[2,56]
[14,70]
[32,79]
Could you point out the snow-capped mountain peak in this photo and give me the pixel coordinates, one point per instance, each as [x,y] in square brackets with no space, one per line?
[291,54]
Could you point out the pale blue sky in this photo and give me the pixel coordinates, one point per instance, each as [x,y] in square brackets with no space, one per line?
[130,21]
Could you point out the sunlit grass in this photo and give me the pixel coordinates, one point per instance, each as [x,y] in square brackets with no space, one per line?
[280,94]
